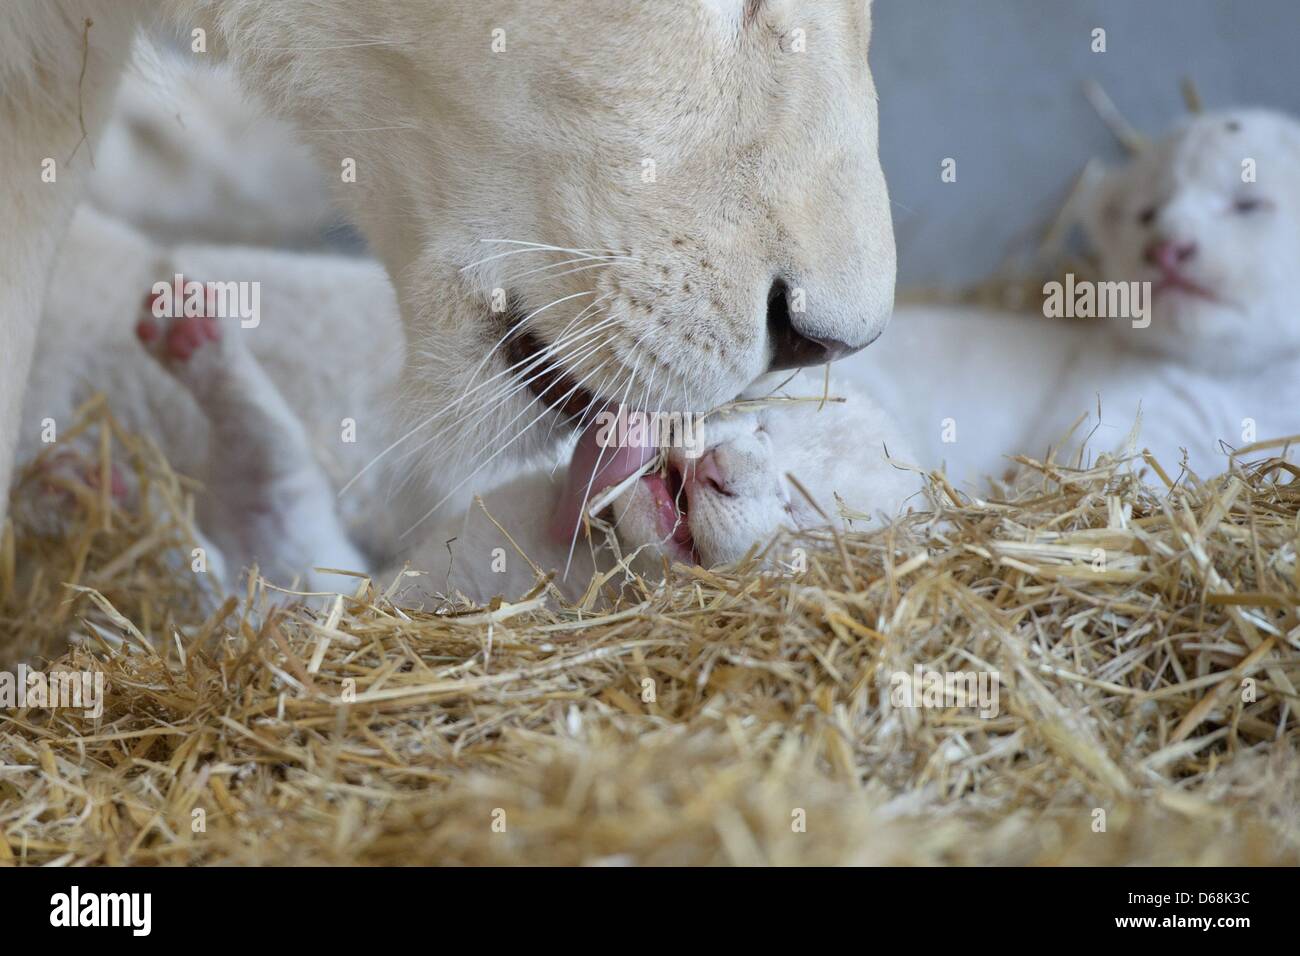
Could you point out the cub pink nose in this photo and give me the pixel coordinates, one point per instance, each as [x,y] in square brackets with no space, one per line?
[1168,255]
[707,471]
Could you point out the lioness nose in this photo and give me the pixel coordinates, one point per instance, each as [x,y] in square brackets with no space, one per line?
[791,346]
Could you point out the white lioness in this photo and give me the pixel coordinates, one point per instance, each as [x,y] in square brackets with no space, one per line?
[255,413]
[1210,218]
[708,163]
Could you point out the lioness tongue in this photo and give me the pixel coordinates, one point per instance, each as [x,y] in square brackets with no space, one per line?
[612,452]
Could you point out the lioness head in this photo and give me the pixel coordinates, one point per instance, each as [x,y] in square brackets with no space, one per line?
[650,203]
[1210,216]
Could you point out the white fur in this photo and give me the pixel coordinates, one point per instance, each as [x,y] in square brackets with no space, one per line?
[44,105]
[764,156]
[1192,181]
[270,459]
[190,156]
[260,420]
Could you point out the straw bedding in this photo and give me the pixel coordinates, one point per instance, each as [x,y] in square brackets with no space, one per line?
[727,717]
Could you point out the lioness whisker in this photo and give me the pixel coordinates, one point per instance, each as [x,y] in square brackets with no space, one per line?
[517,326]
[483,414]
[600,457]
[593,306]
[543,245]
[553,348]
[514,252]
[545,411]
[502,396]
[557,265]
[445,410]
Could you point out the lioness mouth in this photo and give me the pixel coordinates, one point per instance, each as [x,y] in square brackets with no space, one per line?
[597,466]
[546,377]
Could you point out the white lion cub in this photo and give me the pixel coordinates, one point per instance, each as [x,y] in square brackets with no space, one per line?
[1210,219]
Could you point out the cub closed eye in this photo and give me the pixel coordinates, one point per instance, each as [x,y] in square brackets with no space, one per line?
[1148,215]
[1247,206]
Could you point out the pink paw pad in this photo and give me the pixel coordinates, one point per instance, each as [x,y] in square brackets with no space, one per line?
[67,467]
[147,331]
[180,336]
[186,336]
[116,481]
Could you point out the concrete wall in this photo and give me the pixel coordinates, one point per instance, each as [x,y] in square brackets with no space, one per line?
[997,85]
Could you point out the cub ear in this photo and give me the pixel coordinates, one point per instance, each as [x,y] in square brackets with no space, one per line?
[1097,204]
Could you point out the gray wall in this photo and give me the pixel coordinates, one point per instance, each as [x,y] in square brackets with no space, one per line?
[997,84]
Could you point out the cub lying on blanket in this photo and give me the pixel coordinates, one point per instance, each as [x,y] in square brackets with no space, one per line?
[275,418]
[1218,365]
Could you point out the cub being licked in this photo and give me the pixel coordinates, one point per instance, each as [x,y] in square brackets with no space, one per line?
[272,463]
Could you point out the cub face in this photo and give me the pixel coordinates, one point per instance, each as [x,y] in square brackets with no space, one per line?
[1220,250]
[713,508]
